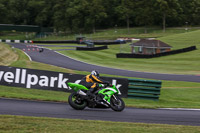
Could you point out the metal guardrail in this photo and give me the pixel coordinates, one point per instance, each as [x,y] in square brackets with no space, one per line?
[16,41]
[144,89]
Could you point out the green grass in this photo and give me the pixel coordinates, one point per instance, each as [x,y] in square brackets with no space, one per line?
[136,32]
[183,40]
[7,55]
[56,48]
[24,62]
[33,94]
[173,94]
[22,124]
[184,63]
[114,33]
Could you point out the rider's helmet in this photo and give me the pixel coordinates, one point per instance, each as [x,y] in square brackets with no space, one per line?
[95,73]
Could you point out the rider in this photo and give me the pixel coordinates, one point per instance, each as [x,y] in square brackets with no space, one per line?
[92,81]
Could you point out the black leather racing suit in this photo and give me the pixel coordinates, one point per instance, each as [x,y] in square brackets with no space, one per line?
[92,82]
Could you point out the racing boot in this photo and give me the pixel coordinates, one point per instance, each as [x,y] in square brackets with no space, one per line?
[90,94]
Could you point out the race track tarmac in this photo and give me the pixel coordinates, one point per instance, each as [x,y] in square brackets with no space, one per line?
[63,110]
[54,58]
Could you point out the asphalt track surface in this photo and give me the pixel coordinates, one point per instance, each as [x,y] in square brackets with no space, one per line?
[54,58]
[63,110]
[64,46]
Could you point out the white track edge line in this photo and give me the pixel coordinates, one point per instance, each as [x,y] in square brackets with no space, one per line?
[28,56]
[121,69]
[180,109]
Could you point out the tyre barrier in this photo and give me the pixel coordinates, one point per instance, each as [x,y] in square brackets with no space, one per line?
[144,89]
[92,48]
[16,41]
[124,55]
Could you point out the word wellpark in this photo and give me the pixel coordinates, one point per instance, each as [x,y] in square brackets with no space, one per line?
[49,80]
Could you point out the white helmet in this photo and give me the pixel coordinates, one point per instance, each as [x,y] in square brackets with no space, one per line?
[95,73]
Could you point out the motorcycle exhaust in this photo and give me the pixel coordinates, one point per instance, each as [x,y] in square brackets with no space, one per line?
[81,93]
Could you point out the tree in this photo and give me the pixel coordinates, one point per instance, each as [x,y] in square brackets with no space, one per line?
[3,11]
[76,13]
[125,11]
[88,15]
[96,13]
[144,13]
[45,16]
[113,18]
[167,8]
[191,11]
[60,20]
[17,10]
[34,8]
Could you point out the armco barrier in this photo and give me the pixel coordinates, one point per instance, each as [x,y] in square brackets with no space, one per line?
[66,41]
[108,42]
[144,89]
[16,41]
[91,48]
[100,42]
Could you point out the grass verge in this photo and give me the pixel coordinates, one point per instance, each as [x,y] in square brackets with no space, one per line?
[184,63]
[22,124]
[7,55]
[112,34]
[173,94]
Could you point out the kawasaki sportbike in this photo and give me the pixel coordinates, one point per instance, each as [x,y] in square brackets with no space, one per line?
[105,97]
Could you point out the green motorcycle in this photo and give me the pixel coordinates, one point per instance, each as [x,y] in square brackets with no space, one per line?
[105,97]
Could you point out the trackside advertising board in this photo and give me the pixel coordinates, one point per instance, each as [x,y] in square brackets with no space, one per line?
[49,80]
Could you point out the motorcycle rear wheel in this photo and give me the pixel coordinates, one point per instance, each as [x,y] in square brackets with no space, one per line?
[117,104]
[75,101]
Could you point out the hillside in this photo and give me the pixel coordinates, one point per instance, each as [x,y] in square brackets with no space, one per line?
[185,63]
[183,39]
[7,55]
[174,94]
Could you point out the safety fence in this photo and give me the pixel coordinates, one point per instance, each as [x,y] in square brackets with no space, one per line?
[144,89]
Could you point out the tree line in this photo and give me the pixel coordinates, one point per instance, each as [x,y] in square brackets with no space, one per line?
[89,15]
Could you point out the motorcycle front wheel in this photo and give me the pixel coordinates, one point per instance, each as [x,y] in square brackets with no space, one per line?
[116,103]
[76,102]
